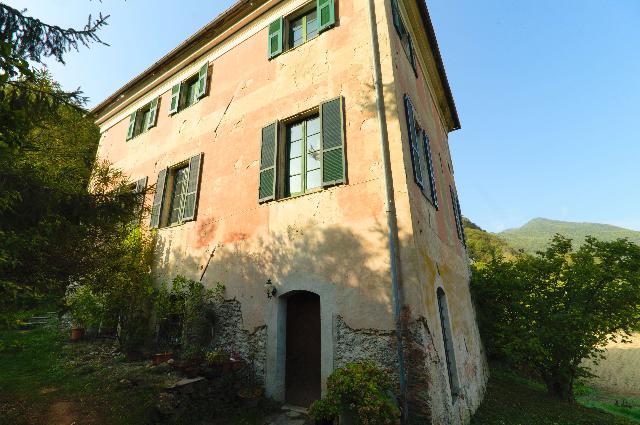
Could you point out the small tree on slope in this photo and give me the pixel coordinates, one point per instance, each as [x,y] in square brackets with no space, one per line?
[551,311]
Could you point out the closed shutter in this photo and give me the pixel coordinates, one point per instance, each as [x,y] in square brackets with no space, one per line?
[141,186]
[430,170]
[275,38]
[456,214]
[397,21]
[332,131]
[193,187]
[132,125]
[268,161]
[158,199]
[412,54]
[463,238]
[153,113]
[175,99]
[203,76]
[326,13]
[413,142]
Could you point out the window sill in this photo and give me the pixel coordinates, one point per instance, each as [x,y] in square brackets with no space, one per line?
[173,226]
[187,107]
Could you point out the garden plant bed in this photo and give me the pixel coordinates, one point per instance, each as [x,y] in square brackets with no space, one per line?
[47,380]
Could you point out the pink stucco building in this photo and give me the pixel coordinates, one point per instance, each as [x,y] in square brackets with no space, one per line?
[305,144]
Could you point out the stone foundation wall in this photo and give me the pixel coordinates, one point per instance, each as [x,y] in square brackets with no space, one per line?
[229,334]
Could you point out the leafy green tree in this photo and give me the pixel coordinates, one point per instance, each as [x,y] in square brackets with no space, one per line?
[25,42]
[550,311]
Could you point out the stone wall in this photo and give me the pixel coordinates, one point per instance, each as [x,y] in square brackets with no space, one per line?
[229,334]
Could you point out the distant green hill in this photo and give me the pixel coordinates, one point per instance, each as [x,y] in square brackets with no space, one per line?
[534,235]
[482,245]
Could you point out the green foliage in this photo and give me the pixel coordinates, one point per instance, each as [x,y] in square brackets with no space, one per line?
[362,387]
[53,230]
[191,307]
[86,307]
[535,234]
[549,312]
[24,43]
[483,246]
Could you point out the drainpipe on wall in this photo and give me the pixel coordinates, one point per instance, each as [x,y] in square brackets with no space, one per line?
[389,204]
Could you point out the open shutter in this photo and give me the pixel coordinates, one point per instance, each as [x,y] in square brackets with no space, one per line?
[276,39]
[141,185]
[462,235]
[153,113]
[326,13]
[193,187]
[203,76]
[430,170]
[175,99]
[413,142]
[158,199]
[412,54]
[268,160]
[132,125]
[397,22]
[333,161]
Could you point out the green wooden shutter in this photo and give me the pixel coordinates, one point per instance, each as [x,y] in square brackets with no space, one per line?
[397,21]
[276,39]
[193,187]
[153,113]
[430,170]
[413,143]
[139,191]
[332,133]
[132,125]
[457,215]
[158,199]
[268,161]
[326,13]
[175,99]
[203,76]
[141,185]
[412,55]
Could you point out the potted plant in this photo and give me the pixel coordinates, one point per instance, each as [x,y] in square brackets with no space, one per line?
[357,393]
[251,392]
[215,361]
[161,358]
[86,309]
[250,396]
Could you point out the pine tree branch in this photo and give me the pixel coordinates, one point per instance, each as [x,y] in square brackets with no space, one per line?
[34,39]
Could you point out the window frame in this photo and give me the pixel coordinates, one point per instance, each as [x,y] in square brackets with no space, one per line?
[310,115]
[303,13]
[447,341]
[406,40]
[184,86]
[171,196]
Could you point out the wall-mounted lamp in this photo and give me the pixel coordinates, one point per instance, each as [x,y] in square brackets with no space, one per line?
[270,289]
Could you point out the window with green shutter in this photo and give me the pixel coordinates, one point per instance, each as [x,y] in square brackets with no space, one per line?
[431,194]
[311,156]
[405,37]
[457,215]
[413,142]
[178,191]
[143,119]
[300,26]
[190,91]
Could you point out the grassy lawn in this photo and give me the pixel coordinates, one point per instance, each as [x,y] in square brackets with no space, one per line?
[626,407]
[44,379]
[511,400]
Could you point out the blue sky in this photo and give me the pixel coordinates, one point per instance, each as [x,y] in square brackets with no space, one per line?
[548,93]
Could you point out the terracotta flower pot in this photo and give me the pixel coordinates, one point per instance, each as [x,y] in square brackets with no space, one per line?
[77,334]
[161,358]
[250,396]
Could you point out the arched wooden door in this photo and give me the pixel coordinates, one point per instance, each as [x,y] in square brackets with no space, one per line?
[302,374]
